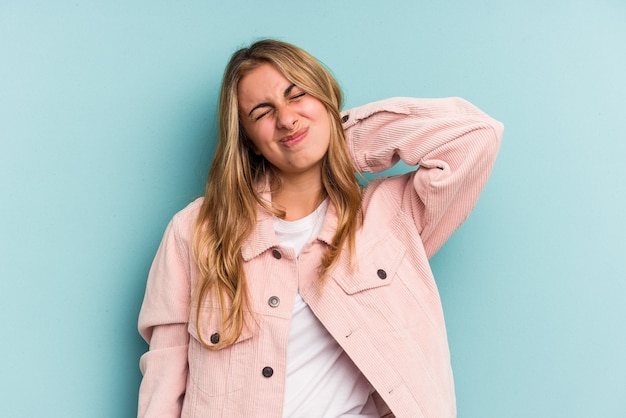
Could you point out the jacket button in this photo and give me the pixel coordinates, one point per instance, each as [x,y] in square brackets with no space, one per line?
[382,274]
[277,255]
[268,371]
[215,338]
[345,118]
[274,301]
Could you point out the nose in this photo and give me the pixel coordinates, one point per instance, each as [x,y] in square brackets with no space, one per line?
[286,117]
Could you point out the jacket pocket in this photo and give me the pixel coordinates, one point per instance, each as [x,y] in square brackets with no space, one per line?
[217,372]
[376,267]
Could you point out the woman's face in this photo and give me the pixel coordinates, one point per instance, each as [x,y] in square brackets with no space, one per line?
[289,127]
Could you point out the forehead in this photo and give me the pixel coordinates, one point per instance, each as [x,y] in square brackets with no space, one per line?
[263,83]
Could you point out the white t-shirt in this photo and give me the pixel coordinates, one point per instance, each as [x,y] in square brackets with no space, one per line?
[322,381]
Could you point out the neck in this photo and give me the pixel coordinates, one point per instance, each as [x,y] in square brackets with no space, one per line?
[299,197]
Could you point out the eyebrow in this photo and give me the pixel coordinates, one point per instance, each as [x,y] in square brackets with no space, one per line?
[286,93]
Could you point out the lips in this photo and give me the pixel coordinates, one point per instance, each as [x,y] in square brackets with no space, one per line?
[297,137]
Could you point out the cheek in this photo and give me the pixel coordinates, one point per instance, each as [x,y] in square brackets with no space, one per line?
[260,137]
[324,126]
[323,118]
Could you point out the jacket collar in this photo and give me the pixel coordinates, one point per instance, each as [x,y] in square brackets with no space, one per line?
[263,237]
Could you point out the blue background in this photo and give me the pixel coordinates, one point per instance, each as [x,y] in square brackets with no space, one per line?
[106,127]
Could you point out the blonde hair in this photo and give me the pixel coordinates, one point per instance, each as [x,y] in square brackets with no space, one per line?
[233,190]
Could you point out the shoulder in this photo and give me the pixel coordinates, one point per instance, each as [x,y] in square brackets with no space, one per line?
[184,221]
[385,198]
[190,212]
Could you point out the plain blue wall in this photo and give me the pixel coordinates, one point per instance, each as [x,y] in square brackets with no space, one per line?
[106,122]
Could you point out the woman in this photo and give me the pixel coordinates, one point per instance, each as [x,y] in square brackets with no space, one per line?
[287,290]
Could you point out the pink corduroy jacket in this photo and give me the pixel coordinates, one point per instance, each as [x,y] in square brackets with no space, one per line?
[385,313]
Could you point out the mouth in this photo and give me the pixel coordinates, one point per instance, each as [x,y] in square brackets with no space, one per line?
[297,137]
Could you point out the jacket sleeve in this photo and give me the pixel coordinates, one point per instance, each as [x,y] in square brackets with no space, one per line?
[163,324]
[453,143]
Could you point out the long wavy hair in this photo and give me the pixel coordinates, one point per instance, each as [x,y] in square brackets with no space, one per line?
[238,175]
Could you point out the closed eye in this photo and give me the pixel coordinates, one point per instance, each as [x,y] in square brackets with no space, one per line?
[268,108]
[297,96]
[260,116]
